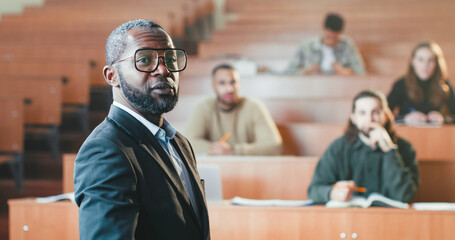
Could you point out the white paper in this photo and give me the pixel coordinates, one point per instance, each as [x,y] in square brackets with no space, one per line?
[270,202]
[51,199]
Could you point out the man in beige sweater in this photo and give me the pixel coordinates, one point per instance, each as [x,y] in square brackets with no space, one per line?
[230,124]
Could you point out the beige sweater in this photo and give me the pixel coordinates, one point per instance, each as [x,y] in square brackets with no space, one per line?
[252,128]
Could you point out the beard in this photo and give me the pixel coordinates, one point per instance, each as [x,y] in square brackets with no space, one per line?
[365,133]
[229,105]
[147,103]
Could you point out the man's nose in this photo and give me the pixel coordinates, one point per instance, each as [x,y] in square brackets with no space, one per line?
[161,68]
[370,117]
[230,88]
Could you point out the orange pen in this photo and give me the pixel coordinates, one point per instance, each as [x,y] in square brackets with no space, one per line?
[225,137]
[356,189]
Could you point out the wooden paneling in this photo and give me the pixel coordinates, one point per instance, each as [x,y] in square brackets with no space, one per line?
[42,97]
[289,87]
[73,74]
[68,169]
[312,139]
[263,177]
[318,222]
[431,143]
[11,124]
[235,222]
[30,220]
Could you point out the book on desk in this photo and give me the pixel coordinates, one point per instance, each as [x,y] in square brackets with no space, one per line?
[374,199]
[270,202]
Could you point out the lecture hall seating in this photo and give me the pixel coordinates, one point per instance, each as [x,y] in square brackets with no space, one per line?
[12,136]
[267,33]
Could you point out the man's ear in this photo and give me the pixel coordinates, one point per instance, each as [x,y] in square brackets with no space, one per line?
[110,75]
[352,118]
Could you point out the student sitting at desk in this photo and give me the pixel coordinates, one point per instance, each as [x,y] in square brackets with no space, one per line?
[330,53]
[368,155]
[424,94]
[229,124]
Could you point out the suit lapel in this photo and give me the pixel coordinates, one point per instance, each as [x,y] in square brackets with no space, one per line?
[160,156]
[148,142]
[187,157]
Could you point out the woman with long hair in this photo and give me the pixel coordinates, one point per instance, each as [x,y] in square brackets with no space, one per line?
[424,94]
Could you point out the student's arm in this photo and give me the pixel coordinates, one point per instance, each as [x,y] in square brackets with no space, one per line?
[196,130]
[396,96]
[357,64]
[325,175]
[267,138]
[105,185]
[451,100]
[297,62]
[400,172]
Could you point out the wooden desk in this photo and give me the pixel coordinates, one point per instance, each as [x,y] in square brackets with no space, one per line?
[318,222]
[312,139]
[286,177]
[30,220]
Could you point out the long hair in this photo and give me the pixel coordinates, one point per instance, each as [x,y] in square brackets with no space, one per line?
[352,132]
[439,90]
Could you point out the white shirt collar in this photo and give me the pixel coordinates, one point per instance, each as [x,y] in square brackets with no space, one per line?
[150,126]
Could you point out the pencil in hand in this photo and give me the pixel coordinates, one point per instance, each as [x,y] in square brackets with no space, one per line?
[356,189]
[225,137]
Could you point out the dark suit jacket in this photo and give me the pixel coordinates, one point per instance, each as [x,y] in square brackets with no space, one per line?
[126,185]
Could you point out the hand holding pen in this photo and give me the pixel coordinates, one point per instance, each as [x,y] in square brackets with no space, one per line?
[343,190]
[221,147]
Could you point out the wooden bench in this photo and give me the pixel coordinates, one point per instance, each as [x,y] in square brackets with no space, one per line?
[312,139]
[318,222]
[92,55]
[233,222]
[282,110]
[292,87]
[287,177]
[12,136]
[84,15]
[42,99]
[73,74]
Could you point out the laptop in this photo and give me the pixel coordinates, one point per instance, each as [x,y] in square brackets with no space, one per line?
[211,175]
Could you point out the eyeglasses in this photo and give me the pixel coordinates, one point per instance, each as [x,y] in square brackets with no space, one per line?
[147,59]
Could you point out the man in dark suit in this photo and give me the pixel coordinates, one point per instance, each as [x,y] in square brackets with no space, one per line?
[135,177]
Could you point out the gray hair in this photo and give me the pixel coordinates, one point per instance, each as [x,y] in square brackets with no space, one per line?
[116,42]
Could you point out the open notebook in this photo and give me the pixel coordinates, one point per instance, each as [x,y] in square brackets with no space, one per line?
[211,175]
[374,199]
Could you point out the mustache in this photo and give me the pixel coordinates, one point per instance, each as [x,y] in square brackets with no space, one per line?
[163,84]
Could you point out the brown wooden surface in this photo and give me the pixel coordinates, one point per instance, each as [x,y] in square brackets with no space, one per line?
[292,87]
[312,139]
[68,169]
[94,55]
[42,221]
[238,222]
[308,139]
[42,97]
[285,177]
[431,143]
[85,15]
[384,32]
[318,222]
[264,177]
[76,88]
[437,179]
[11,124]
[282,110]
